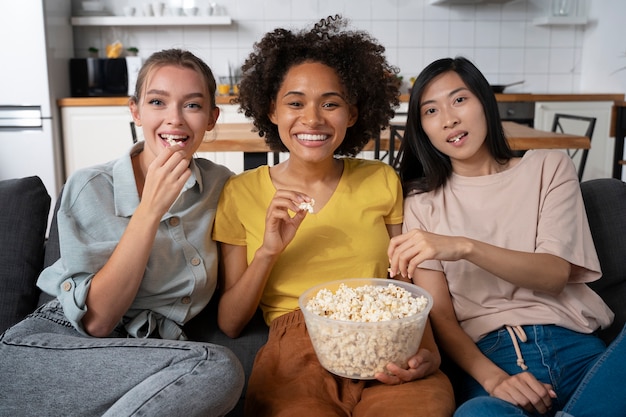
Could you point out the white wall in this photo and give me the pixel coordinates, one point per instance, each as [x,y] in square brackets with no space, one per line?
[500,38]
[604,48]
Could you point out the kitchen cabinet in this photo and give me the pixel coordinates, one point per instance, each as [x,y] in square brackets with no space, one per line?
[97,134]
[94,135]
[229,113]
[233,160]
[600,159]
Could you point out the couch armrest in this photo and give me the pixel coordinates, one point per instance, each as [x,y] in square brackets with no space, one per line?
[23,223]
[605,204]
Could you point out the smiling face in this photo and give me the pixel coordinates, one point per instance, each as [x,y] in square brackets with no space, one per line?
[311,111]
[175,108]
[454,120]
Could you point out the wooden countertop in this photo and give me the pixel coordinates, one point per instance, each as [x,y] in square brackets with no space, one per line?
[123,101]
[522,137]
[240,137]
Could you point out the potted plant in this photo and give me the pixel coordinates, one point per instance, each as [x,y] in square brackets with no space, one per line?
[93,52]
[132,51]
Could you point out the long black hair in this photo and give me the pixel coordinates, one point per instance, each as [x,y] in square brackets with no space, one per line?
[423,167]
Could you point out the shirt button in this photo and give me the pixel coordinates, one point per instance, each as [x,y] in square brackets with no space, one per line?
[186,300]
[174,221]
[66,286]
[195,261]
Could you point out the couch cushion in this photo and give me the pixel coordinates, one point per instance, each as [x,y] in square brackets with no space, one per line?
[25,204]
[605,203]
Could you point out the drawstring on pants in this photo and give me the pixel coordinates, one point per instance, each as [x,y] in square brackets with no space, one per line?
[517,332]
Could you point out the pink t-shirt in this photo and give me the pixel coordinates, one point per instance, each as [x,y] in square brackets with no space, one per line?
[535,206]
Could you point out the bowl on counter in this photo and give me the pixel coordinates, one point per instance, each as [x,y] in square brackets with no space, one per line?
[384,322]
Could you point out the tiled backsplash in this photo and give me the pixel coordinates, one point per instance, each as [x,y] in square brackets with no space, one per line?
[499,37]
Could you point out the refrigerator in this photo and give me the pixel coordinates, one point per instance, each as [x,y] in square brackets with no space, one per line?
[36,44]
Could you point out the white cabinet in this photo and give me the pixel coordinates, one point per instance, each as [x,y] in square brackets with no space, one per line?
[600,159]
[97,134]
[94,134]
[229,113]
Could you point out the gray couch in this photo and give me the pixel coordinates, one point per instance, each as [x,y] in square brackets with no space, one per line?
[24,251]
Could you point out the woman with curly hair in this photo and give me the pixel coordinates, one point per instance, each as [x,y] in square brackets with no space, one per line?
[319,216]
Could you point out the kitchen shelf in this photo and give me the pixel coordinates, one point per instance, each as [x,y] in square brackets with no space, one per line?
[560,20]
[150,21]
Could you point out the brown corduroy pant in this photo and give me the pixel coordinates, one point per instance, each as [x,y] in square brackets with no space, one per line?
[288,380]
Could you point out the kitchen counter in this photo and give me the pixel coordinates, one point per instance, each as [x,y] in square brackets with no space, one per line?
[123,101]
[91,121]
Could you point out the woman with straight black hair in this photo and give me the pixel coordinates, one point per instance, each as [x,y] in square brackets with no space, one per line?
[434,167]
[503,245]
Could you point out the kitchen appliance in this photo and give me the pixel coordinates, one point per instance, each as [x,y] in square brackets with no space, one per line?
[499,88]
[37,41]
[102,77]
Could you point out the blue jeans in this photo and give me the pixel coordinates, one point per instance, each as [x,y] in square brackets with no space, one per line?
[48,369]
[587,377]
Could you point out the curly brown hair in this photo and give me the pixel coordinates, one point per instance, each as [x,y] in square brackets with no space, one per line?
[358,59]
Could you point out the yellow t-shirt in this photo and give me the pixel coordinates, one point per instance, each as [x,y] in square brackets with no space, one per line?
[347,238]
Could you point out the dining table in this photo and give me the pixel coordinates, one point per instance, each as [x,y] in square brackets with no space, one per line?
[243,137]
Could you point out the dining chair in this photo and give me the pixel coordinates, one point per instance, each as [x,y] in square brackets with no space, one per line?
[396,133]
[133,132]
[396,136]
[567,123]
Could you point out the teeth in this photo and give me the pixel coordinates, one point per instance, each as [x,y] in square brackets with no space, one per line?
[312,137]
[456,138]
[173,137]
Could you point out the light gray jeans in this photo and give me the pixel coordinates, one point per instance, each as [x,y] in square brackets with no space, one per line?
[48,369]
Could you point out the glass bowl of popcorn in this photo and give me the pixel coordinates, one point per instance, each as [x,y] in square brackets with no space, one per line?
[359,325]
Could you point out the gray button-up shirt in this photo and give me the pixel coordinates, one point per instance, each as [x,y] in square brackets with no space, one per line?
[181,274]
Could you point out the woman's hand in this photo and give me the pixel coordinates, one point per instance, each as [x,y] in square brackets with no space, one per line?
[422,364]
[244,283]
[410,249]
[115,286]
[164,180]
[280,227]
[525,391]
[535,271]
